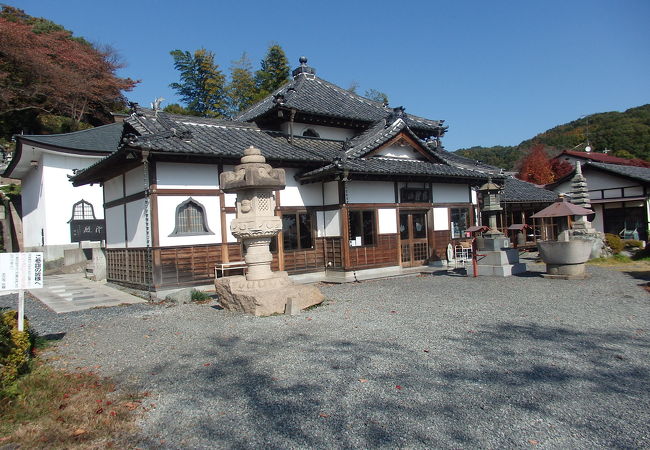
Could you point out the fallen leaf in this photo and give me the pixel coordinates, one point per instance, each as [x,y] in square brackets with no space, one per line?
[131,405]
[323,415]
[398,387]
[363,380]
[533,441]
[113,413]
[426,350]
[393,312]
[207,364]
[78,432]
[309,318]
[99,411]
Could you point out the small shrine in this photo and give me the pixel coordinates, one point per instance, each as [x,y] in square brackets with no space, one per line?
[260,291]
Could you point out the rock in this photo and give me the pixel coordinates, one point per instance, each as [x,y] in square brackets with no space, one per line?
[182,296]
[265,297]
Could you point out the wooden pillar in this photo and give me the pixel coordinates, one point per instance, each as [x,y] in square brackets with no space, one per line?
[224,227]
[345,236]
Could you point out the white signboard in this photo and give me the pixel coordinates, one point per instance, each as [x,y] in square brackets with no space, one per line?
[21,271]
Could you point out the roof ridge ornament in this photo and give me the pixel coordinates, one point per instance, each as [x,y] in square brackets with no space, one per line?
[303,68]
[397,113]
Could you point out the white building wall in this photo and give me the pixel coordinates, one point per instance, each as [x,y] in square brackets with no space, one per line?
[134,180]
[451,193]
[113,189]
[136,226]
[34,209]
[371,192]
[115,227]
[331,193]
[324,132]
[296,194]
[328,224]
[58,195]
[597,223]
[387,221]
[179,176]
[229,219]
[440,219]
[167,221]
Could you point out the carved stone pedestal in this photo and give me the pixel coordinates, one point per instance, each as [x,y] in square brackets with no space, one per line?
[265,297]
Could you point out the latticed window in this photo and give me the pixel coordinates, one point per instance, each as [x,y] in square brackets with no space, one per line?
[297,231]
[190,218]
[82,210]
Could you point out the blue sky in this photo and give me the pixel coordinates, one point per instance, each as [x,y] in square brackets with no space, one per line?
[497,71]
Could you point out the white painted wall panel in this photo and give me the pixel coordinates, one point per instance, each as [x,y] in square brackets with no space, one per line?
[113,189]
[135,180]
[167,221]
[340,134]
[230,200]
[474,197]
[387,221]
[229,218]
[440,219]
[182,175]
[371,192]
[328,223]
[135,224]
[34,208]
[296,194]
[332,193]
[115,227]
[397,151]
[450,193]
[597,223]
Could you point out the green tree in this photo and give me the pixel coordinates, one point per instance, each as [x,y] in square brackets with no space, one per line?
[274,71]
[175,108]
[378,96]
[242,91]
[202,84]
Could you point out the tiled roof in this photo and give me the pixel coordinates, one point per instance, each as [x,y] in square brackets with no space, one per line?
[309,94]
[395,166]
[605,158]
[461,161]
[519,191]
[641,174]
[105,138]
[224,138]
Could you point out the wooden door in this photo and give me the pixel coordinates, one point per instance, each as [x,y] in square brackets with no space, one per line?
[413,238]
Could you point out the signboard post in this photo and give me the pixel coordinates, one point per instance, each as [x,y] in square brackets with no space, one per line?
[20,271]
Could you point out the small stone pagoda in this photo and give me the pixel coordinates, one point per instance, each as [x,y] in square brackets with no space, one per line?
[260,291]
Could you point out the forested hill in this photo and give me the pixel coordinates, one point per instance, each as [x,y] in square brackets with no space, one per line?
[625,134]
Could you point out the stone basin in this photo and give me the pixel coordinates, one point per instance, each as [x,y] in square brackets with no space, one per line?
[565,259]
[574,251]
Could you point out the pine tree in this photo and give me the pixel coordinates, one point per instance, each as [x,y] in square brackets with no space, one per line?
[274,71]
[242,91]
[202,84]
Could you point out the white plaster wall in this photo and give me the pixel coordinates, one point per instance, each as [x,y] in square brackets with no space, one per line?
[331,193]
[387,221]
[115,227]
[229,218]
[182,175]
[328,223]
[113,189]
[597,180]
[58,195]
[371,192]
[167,221]
[34,209]
[402,152]
[474,197]
[451,193]
[597,223]
[440,219]
[135,180]
[136,231]
[296,194]
[323,131]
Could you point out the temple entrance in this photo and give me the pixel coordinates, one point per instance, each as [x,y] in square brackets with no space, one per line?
[413,238]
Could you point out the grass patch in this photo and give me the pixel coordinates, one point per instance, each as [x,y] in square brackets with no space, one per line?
[53,409]
[200,296]
[610,261]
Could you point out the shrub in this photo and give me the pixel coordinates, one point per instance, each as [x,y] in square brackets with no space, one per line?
[15,348]
[200,296]
[614,242]
[632,243]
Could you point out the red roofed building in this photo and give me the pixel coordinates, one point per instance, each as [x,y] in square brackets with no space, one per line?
[572,156]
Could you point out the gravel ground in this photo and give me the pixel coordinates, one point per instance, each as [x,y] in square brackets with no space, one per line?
[429,361]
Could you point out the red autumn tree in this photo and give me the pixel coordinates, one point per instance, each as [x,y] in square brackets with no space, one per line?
[43,68]
[560,168]
[536,167]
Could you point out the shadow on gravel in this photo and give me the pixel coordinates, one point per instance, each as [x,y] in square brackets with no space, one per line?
[500,386]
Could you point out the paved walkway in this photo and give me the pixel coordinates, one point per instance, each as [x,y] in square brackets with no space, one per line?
[73,292]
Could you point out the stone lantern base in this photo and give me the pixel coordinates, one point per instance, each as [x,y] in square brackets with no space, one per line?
[265,297]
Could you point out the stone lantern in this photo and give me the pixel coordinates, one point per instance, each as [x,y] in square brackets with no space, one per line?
[261,291]
[493,239]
